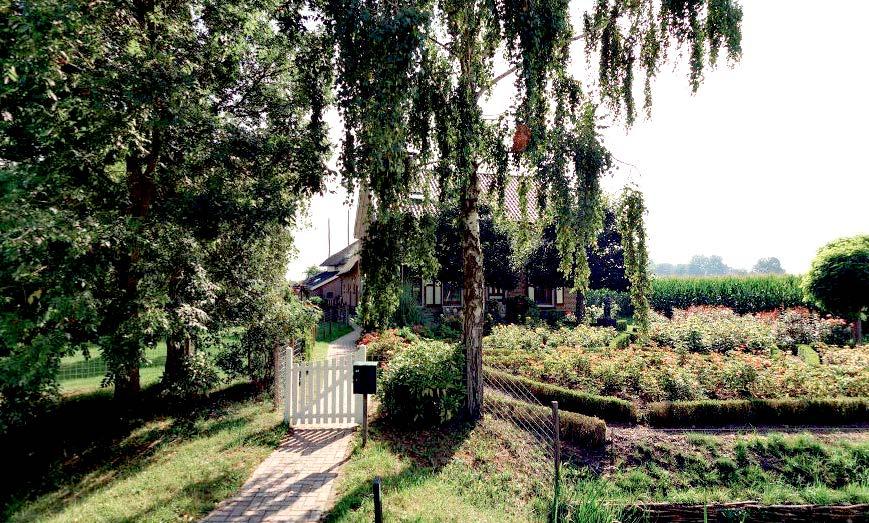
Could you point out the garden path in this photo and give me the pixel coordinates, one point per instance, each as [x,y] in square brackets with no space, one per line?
[296,481]
[345,345]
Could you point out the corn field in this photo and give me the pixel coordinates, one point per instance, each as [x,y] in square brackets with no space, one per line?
[743,294]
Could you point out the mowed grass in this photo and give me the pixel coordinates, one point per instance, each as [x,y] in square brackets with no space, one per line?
[90,461]
[78,374]
[457,474]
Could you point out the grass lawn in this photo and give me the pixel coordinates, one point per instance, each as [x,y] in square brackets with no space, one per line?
[454,474]
[77,374]
[90,461]
[325,336]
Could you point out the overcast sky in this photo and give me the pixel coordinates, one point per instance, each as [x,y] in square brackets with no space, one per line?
[767,159]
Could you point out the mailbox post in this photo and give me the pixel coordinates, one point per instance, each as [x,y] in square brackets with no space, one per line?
[365,383]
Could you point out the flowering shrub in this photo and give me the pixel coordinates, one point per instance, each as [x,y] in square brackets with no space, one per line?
[796,326]
[385,345]
[718,329]
[518,337]
[665,373]
[835,331]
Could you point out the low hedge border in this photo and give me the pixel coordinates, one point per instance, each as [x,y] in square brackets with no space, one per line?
[605,407]
[717,413]
[576,428]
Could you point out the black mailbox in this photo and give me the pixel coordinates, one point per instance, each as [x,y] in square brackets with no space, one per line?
[364,377]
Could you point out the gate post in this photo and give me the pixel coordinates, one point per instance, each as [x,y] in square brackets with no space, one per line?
[287,377]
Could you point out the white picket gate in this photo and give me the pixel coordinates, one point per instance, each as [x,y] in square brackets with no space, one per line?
[321,392]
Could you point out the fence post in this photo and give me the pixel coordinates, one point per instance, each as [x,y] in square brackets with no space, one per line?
[556,430]
[378,504]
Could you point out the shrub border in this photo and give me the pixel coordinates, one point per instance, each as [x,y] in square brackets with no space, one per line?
[788,411]
[576,428]
[605,407]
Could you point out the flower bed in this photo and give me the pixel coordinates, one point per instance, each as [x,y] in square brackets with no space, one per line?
[655,373]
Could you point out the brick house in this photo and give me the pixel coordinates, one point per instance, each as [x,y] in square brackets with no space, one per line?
[341,279]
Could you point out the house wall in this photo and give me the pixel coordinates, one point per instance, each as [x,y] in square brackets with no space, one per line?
[350,286]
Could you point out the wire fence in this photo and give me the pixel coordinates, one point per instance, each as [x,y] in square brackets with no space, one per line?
[88,372]
[513,403]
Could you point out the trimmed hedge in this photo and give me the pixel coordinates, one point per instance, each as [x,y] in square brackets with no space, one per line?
[743,294]
[604,407]
[717,413]
[575,428]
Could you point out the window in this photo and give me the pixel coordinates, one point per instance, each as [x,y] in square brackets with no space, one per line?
[495,293]
[559,296]
[432,293]
[452,294]
[330,295]
[542,296]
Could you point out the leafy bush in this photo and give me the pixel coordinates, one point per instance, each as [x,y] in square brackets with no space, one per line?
[408,312]
[604,407]
[423,383]
[797,326]
[384,346]
[704,329]
[621,300]
[808,411]
[835,331]
[198,376]
[838,280]
[743,294]
[622,341]
[576,428]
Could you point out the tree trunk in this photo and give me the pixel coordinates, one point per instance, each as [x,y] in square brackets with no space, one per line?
[580,307]
[858,331]
[472,293]
[127,386]
[178,349]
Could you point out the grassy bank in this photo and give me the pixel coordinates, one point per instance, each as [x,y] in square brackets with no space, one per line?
[90,461]
[456,474]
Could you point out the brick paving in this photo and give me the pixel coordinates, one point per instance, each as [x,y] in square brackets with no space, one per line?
[294,483]
[345,345]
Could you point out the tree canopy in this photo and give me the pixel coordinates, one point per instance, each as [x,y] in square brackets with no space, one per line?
[410,80]
[838,280]
[149,153]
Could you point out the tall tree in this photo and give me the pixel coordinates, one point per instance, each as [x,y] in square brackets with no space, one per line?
[412,77]
[768,266]
[138,138]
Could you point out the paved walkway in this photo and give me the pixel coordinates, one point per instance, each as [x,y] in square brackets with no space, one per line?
[345,345]
[296,482]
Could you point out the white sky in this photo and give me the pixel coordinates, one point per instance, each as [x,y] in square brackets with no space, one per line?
[767,159]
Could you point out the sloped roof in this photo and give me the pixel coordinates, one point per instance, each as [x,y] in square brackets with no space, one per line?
[319,279]
[341,257]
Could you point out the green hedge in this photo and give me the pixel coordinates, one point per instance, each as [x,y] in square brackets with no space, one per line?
[576,428]
[605,407]
[743,294]
[715,413]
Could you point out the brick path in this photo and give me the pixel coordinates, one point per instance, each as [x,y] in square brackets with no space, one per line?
[345,345]
[294,483]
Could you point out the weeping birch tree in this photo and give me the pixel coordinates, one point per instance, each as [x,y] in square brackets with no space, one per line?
[412,80]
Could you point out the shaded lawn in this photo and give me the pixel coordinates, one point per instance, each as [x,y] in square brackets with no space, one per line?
[91,461]
[78,374]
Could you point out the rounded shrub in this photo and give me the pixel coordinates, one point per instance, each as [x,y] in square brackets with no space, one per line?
[423,384]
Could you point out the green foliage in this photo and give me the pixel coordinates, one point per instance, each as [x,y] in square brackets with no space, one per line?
[282,321]
[423,384]
[622,341]
[804,411]
[838,280]
[633,231]
[768,266]
[743,294]
[198,376]
[408,312]
[506,338]
[605,407]
[144,148]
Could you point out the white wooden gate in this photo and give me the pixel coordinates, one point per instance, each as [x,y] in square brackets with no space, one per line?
[321,392]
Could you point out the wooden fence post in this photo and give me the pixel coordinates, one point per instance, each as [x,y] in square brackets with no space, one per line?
[378,503]
[556,431]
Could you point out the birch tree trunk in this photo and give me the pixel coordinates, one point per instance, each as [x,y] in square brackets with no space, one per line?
[472,294]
